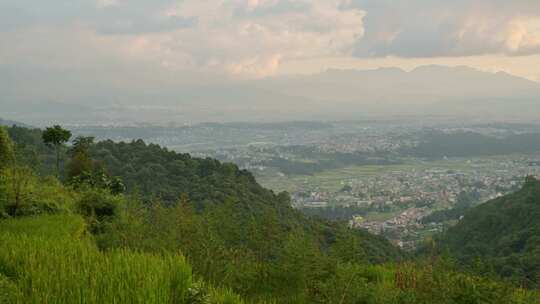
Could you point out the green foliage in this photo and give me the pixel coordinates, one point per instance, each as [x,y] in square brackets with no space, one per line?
[298,270]
[83,172]
[79,164]
[224,297]
[46,226]
[247,214]
[98,179]
[251,217]
[235,233]
[32,151]
[60,269]
[8,291]
[98,206]
[56,137]
[245,243]
[503,235]
[82,145]
[24,193]
[7,152]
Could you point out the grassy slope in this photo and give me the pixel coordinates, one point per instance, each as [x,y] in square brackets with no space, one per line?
[50,259]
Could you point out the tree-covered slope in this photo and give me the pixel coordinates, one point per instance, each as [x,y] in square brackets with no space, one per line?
[51,258]
[503,233]
[156,173]
[81,241]
[154,170]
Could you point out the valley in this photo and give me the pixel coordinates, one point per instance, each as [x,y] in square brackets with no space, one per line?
[269,152]
[398,179]
[373,216]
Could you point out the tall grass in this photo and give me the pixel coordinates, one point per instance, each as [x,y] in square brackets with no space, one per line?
[51,259]
[218,296]
[64,269]
[57,226]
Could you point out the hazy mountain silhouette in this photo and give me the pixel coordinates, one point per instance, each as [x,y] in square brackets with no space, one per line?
[459,92]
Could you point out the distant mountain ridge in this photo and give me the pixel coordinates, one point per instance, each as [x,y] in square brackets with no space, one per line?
[5,122]
[423,85]
[433,90]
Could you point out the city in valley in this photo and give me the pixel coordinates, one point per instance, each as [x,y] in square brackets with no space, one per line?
[270,151]
[400,179]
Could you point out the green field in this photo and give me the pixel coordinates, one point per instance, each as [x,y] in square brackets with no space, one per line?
[333,180]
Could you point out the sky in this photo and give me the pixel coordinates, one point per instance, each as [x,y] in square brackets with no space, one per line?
[197,40]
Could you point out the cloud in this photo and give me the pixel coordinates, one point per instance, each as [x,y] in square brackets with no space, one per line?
[137,17]
[257,38]
[139,26]
[266,33]
[245,38]
[257,8]
[105,16]
[440,28]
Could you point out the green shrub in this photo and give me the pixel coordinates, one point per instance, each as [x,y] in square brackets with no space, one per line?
[23,193]
[98,203]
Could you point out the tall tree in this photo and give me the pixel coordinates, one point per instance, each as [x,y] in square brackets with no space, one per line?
[82,144]
[80,162]
[56,137]
[7,151]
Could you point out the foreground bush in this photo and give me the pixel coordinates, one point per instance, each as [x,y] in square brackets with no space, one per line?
[23,193]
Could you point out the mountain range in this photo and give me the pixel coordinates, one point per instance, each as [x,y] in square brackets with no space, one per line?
[9,123]
[440,91]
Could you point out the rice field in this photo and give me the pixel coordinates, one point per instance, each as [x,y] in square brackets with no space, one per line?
[49,259]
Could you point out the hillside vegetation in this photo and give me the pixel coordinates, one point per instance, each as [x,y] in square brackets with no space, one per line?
[503,235]
[50,259]
[187,230]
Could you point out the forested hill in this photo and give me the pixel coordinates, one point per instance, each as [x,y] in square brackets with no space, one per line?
[188,231]
[151,169]
[158,174]
[503,233]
